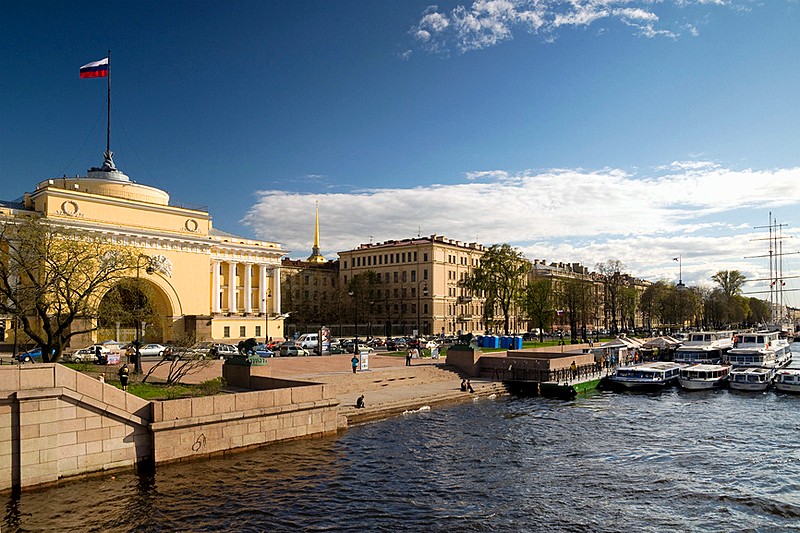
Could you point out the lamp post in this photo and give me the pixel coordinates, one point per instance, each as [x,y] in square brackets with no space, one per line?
[137,368]
[681,287]
[355,340]
[419,309]
[266,317]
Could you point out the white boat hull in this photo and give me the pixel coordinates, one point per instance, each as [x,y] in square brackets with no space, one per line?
[761,386]
[787,387]
[702,384]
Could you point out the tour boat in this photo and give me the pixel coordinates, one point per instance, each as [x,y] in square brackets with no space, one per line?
[764,349]
[704,347]
[751,378]
[646,375]
[704,377]
[788,380]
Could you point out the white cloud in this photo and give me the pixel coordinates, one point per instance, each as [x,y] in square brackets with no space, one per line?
[700,209]
[486,23]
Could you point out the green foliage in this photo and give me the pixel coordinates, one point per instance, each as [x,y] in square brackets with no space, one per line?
[538,304]
[499,279]
[212,386]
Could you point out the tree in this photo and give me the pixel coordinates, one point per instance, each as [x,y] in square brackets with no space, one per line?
[575,298]
[361,289]
[51,276]
[613,280]
[181,361]
[538,304]
[499,279]
[760,312]
[730,282]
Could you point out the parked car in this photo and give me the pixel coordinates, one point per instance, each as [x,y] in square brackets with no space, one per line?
[375,342]
[396,344]
[215,350]
[430,345]
[290,349]
[350,346]
[309,341]
[152,349]
[31,356]
[261,350]
[89,354]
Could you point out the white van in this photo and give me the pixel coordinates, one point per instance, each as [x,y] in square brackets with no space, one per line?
[309,341]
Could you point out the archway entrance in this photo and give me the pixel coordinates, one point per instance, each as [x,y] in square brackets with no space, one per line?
[135,303]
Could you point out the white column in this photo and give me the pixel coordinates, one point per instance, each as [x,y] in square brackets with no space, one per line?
[262,289]
[276,290]
[232,287]
[215,290]
[248,288]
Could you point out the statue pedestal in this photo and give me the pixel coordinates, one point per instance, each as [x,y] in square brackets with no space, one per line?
[246,360]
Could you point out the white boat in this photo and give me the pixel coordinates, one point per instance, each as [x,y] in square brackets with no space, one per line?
[646,375]
[787,380]
[705,347]
[751,378]
[760,349]
[704,377]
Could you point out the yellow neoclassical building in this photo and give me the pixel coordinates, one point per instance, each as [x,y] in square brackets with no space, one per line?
[205,282]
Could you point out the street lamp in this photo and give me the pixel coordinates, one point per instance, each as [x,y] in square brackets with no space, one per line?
[266,317]
[149,269]
[419,309]
[355,341]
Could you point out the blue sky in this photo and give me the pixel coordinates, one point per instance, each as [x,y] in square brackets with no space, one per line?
[580,131]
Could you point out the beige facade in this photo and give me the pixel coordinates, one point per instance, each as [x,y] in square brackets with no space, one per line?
[418,284]
[206,282]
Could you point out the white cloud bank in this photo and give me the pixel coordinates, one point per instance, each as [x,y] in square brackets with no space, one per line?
[486,23]
[698,209]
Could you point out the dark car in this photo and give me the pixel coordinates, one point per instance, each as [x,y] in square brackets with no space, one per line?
[30,356]
[396,345]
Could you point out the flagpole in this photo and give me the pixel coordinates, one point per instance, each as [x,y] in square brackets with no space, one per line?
[108,124]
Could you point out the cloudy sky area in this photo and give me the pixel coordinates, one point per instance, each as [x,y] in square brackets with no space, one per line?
[579,131]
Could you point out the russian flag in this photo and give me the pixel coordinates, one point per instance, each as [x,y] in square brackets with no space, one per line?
[98,69]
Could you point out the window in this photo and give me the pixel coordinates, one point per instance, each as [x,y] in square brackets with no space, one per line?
[425,257]
[397,257]
[258,331]
[403,276]
[345,279]
[243,331]
[413,292]
[404,257]
[413,275]
[345,264]
[425,274]
[226,332]
[413,308]
[425,309]
[395,276]
[415,256]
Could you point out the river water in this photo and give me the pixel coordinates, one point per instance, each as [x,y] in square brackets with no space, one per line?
[660,462]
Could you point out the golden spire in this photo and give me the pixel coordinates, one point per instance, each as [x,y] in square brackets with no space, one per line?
[315,256]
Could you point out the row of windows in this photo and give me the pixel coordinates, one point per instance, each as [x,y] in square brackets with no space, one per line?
[226,331]
[387,259]
[463,260]
[399,277]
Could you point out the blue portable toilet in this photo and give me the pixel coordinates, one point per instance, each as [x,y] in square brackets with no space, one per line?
[480,341]
[492,341]
[516,343]
[505,342]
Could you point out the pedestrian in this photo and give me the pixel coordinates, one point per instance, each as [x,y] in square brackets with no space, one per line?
[574,368]
[123,376]
[469,387]
[98,353]
[360,402]
[101,377]
[463,385]
[354,362]
[408,357]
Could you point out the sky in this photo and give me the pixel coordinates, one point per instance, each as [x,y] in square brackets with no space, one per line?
[579,131]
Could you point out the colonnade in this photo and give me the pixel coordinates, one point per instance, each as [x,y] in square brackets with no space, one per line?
[232,279]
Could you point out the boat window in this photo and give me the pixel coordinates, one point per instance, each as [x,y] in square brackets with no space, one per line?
[760,339]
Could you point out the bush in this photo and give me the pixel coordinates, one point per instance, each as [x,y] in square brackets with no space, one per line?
[211,387]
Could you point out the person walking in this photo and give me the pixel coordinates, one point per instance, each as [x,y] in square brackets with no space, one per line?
[574,368]
[123,376]
[354,362]
[408,357]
